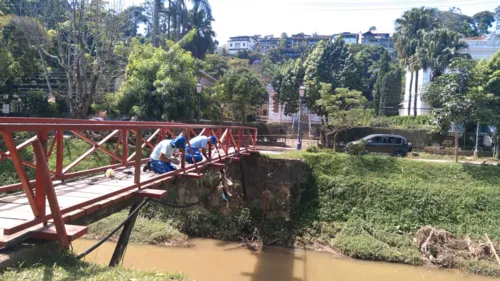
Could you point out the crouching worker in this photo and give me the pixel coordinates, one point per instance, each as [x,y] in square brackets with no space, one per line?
[162,158]
[200,142]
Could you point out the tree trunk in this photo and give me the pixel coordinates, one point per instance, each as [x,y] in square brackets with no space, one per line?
[415,96]
[45,73]
[456,142]
[409,93]
[156,21]
[476,150]
[335,142]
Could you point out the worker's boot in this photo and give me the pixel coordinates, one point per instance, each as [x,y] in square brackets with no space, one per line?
[147,167]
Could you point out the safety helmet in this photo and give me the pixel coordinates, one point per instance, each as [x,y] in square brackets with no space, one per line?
[179,142]
[213,139]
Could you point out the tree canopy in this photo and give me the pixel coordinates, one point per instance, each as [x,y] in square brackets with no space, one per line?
[160,83]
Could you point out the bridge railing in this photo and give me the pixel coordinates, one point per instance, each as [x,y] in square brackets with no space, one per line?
[113,138]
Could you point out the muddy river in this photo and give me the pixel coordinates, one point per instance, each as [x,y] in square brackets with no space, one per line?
[212,260]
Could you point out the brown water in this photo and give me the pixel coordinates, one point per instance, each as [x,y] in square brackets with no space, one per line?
[212,260]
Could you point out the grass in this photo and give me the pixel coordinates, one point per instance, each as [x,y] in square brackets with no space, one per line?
[146,230]
[67,267]
[378,203]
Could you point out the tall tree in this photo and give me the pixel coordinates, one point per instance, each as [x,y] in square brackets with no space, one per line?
[331,63]
[390,92]
[204,41]
[483,21]
[439,47]
[409,32]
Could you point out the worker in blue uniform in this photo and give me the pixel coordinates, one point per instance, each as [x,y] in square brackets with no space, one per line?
[162,158]
[196,144]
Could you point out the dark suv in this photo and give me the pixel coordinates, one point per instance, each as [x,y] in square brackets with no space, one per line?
[394,145]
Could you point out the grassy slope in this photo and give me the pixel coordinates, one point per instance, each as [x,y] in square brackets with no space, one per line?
[370,207]
[68,268]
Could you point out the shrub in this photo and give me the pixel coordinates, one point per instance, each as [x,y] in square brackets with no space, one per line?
[357,148]
[313,149]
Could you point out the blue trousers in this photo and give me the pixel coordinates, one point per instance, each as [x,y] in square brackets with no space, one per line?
[161,167]
[193,153]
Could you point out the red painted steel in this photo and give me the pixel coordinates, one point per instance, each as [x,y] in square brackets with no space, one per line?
[147,135]
[41,165]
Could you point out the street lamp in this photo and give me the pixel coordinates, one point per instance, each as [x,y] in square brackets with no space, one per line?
[302,91]
[199,87]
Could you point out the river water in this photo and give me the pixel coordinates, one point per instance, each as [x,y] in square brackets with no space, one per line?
[213,260]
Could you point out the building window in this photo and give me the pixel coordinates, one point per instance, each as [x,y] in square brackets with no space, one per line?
[244,44]
[237,45]
[231,45]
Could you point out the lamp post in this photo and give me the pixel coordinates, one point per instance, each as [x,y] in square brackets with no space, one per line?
[199,87]
[302,91]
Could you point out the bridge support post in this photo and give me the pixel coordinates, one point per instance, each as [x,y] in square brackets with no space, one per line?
[243,182]
[122,244]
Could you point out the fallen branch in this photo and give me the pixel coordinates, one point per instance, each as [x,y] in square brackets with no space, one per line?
[423,248]
[492,248]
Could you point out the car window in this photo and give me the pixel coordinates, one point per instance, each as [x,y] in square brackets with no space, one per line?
[375,140]
[399,140]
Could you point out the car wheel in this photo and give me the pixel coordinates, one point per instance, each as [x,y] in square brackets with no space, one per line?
[399,154]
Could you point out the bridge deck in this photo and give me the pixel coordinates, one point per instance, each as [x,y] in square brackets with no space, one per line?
[58,194]
[81,197]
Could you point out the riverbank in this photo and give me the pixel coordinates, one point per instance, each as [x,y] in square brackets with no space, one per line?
[367,207]
[67,267]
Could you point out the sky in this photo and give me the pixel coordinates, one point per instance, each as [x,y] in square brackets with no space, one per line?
[326,17]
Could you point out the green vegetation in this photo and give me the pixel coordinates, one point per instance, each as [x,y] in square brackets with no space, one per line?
[67,267]
[146,230]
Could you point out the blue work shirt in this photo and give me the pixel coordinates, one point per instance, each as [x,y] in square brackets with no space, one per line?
[199,142]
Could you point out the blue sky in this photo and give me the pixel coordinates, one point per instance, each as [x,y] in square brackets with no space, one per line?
[266,17]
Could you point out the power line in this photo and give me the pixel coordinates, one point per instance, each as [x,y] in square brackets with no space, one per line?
[383,3]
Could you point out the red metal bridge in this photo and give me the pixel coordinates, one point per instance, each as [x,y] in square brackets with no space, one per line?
[61,190]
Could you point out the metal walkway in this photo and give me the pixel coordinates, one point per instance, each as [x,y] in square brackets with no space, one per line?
[63,191]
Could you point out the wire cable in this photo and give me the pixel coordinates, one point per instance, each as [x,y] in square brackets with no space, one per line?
[132,214]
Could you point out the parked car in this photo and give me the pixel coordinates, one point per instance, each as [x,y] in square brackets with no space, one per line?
[393,145]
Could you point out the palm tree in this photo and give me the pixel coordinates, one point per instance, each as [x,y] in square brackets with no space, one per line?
[406,40]
[204,39]
[439,47]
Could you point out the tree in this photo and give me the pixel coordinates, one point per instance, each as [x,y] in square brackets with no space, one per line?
[287,85]
[409,30]
[454,20]
[372,28]
[77,40]
[331,63]
[216,65]
[483,21]
[160,83]
[204,41]
[345,108]
[283,40]
[241,90]
[452,96]
[133,16]
[438,48]
[390,92]
[372,63]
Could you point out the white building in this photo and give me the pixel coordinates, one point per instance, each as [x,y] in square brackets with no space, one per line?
[482,47]
[240,43]
[276,113]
